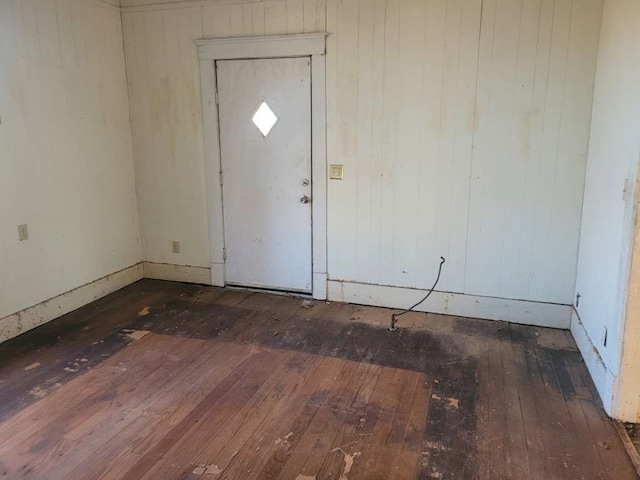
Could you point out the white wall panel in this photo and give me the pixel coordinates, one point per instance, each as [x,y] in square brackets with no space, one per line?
[166,114]
[462,125]
[478,148]
[167,127]
[66,160]
[609,221]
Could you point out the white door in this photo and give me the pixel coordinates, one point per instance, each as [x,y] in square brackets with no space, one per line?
[265,144]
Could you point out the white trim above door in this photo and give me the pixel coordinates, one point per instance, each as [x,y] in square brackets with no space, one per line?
[278,46]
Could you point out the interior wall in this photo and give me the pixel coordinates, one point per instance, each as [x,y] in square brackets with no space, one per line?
[66,161]
[610,204]
[166,113]
[462,125]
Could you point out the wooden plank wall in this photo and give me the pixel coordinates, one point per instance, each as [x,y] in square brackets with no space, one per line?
[462,124]
[608,326]
[463,127]
[66,160]
[166,113]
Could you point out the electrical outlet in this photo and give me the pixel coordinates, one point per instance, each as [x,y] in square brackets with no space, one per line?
[336,172]
[175,246]
[23,232]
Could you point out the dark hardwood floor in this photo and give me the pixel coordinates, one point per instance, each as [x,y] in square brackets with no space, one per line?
[171,381]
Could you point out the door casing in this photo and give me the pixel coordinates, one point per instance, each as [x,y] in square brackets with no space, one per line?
[277,46]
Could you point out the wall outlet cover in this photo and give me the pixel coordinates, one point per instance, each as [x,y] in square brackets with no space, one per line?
[23,232]
[336,172]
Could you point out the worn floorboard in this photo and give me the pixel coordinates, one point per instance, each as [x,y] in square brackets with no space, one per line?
[165,380]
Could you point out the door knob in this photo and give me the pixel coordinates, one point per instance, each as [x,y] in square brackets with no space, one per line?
[304,199]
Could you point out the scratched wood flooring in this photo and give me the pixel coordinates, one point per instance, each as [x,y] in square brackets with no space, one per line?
[164,380]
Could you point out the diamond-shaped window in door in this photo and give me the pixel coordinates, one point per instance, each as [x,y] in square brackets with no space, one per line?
[264,118]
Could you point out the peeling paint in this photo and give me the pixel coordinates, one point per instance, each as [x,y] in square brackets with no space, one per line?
[137,334]
[454,402]
[37,392]
[348,462]
[283,441]
[32,366]
[41,392]
[435,446]
[207,469]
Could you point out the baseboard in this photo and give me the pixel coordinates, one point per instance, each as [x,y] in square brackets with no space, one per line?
[319,286]
[602,376]
[217,274]
[19,322]
[177,273]
[473,306]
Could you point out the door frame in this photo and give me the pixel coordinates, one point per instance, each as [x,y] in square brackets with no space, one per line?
[311,45]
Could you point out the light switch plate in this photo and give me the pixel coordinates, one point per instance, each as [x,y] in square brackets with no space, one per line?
[336,172]
[23,232]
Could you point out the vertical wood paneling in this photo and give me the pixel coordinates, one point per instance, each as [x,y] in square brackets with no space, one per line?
[167,125]
[166,112]
[333,244]
[411,69]
[607,269]
[236,15]
[258,19]
[572,149]
[66,165]
[540,88]
[453,164]
[489,195]
[517,210]
[363,145]
[544,238]
[345,200]
[463,147]
[472,162]
[461,126]
[377,113]
[275,17]
[430,134]
[389,100]
[309,15]
[295,16]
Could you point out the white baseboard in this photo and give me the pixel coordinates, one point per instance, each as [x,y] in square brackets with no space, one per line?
[319,286]
[602,376]
[217,274]
[488,308]
[19,322]
[177,273]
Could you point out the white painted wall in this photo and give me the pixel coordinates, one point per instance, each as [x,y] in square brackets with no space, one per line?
[166,111]
[66,160]
[610,204]
[463,133]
